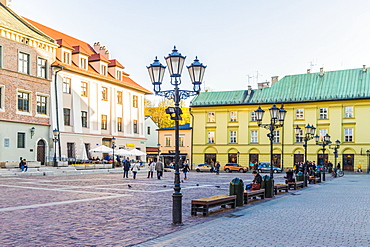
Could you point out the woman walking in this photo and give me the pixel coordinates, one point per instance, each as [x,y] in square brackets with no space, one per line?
[135,169]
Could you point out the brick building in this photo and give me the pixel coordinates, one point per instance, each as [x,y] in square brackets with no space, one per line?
[25,76]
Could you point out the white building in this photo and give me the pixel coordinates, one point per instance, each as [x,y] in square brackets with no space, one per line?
[96,99]
[151,135]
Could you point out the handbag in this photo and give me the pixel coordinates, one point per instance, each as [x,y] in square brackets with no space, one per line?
[256,186]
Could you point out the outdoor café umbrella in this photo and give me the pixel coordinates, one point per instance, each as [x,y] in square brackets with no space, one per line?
[121,152]
[136,152]
[101,149]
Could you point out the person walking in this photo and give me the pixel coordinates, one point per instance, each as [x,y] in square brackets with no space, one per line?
[126,167]
[135,169]
[151,169]
[185,169]
[159,168]
[217,167]
[150,172]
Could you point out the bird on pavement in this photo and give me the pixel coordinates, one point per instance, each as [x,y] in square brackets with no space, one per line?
[197,184]
[182,181]
[129,186]
[217,186]
[164,185]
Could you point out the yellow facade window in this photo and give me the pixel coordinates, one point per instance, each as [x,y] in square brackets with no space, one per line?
[83,89]
[104,93]
[119,97]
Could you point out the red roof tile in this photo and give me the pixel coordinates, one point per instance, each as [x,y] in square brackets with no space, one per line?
[114,62]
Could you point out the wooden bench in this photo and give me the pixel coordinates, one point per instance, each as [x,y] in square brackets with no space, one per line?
[295,185]
[280,188]
[203,204]
[314,180]
[253,194]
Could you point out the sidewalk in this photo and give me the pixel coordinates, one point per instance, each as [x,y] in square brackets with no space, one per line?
[335,213]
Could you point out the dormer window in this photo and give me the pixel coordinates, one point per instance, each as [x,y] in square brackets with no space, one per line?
[103,70]
[119,75]
[66,57]
[83,63]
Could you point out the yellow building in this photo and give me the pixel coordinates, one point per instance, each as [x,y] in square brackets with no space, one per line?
[335,102]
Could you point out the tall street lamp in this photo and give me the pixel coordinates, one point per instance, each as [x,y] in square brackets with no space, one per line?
[55,140]
[113,147]
[368,160]
[159,151]
[309,135]
[277,120]
[325,141]
[335,147]
[175,62]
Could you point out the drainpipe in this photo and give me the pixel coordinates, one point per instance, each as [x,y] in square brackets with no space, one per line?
[57,69]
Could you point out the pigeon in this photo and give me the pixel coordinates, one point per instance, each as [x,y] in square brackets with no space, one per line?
[197,184]
[164,185]
[217,186]
[129,186]
[182,181]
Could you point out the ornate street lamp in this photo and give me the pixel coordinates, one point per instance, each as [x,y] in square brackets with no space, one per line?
[55,140]
[335,147]
[113,147]
[309,135]
[175,63]
[325,141]
[277,117]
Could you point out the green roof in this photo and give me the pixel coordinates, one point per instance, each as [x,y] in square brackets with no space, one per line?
[332,85]
[11,21]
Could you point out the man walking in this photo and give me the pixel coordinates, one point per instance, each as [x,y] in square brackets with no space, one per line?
[126,167]
[159,168]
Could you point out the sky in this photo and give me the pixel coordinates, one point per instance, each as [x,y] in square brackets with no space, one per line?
[242,42]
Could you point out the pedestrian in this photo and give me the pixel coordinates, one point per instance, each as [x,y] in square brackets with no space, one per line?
[151,167]
[217,166]
[159,168]
[185,169]
[135,168]
[118,161]
[107,157]
[359,168]
[211,163]
[256,183]
[126,167]
[23,165]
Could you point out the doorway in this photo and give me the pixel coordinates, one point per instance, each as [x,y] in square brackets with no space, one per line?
[41,151]
[298,158]
[348,161]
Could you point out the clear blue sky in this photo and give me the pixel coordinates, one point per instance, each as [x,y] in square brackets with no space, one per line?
[234,38]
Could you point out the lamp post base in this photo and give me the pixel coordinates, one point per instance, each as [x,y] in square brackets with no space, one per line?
[323,175]
[177,209]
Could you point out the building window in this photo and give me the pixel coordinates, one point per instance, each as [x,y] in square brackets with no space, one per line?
[41,104]
[1,96]
[211,137]
[104,123]
[181,141]
[135,127]
[66,57]
[104,70]
[21,140]
[323,133]
[119,75]
[168,141]
[23,102]
[66,85]
[299,114]
[348,112]
[84,88]
[299,137]
[41,67]
[119,97]
[71,150]
[253,116]
[233,116]
[211,117]
[119,124]
[83,63]
[67,116]
[134,101]
[348,135]
[104,93]
[24,63]
[1,57]
[323,113]
[254,136]
[276,134]
[148,130]
[233,136]
[84,119]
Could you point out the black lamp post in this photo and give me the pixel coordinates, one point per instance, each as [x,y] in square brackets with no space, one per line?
[277,120]
[55,139]
[113,147]
[175,62]
[335,148]
[325,141]
[159,151]
[368,160]
[309,135]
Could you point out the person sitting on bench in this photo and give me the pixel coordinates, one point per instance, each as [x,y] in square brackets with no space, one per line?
[256,183]
[289,176]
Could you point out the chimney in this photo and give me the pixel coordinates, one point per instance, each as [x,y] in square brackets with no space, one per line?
[6,3]
[97,47]
[249,89]
[364,69]
[106,54]
[321,71]
[308,71]
[274,79]
[263,84]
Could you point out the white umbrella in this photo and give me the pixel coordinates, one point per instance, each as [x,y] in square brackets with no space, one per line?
[101,149]
[83,155]
[136,152]
[121,152]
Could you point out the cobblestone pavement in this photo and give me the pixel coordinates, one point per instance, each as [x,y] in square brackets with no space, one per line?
[335,213]
[102,210]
